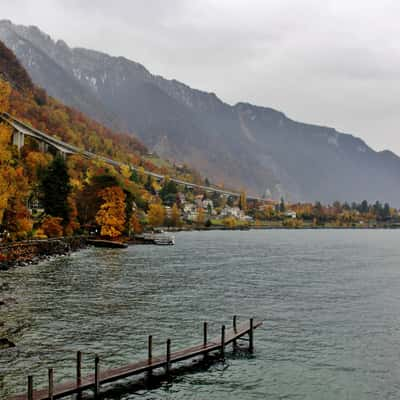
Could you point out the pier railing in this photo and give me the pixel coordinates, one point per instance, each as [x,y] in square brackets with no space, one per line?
[99,377]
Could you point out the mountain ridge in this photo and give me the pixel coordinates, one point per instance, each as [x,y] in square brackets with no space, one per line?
[243,145]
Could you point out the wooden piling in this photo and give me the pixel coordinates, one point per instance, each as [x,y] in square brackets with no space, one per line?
[251,336]
[223,341]
[51,383]
[149,355]
[150,348]
[30,387]
[79,373]
[205,334]
[96,377]
[234,343]
[168,360]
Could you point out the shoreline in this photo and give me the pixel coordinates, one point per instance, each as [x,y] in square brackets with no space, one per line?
[31,252]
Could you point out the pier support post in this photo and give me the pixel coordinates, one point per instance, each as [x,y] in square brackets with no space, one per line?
[234,343]
[51,383]
[168,364]
[223,341]
[251,336]
[18,139]
[205,334]
[79,373]
[43,147]
[150,348]
[30,387]
[149,355]
[96,376]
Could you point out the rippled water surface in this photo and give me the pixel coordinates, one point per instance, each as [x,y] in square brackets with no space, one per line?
[330,302]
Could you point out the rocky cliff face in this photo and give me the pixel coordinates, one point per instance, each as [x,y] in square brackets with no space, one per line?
[244,146]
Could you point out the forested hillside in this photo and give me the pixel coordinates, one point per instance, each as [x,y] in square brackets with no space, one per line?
[41,194]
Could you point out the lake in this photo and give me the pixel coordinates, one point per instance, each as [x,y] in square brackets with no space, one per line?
[329,299]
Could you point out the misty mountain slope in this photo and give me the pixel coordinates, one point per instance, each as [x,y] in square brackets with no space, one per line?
[47,73]
[244,146]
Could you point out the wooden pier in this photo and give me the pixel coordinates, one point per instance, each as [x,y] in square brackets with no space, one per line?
[99,377]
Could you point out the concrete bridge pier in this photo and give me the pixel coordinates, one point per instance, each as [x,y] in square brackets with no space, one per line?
[18,139]
[43,147]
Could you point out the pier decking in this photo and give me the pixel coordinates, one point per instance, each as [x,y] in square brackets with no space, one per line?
[99,377]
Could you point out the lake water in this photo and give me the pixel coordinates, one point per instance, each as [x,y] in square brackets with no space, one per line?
[329,299]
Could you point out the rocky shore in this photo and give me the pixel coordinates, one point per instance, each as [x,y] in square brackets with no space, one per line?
[31,251]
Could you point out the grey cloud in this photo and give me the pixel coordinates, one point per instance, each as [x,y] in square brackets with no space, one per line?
[331,62]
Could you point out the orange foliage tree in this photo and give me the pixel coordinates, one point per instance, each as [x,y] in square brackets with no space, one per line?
[73,224]
[52,227]
[111,216]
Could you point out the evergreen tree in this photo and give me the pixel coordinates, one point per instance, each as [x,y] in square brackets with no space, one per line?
[55,189]
[386,211]
[364,208]
[282,207]
[134,176]
[149,184]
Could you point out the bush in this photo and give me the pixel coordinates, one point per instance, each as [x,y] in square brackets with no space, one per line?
[52,227]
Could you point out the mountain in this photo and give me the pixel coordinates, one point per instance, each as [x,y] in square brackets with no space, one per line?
[33,106]
[243,146]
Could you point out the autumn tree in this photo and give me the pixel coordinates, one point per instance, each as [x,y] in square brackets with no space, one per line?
[200,216]
[135,225]
[126,171]
[88,200]
[35,162]
[5,153]
[156,215]
[111,216]
[16,219]
[175,216]
[73,224]
[5,91]
[52,227]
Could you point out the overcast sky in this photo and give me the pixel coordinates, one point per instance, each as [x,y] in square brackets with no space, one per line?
[334,63]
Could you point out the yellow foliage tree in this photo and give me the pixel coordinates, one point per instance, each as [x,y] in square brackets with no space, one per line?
[5,91]
[111,216]
[200,216]
[34,161]
[126,171]
[141,174]
[175,216]
[156,215]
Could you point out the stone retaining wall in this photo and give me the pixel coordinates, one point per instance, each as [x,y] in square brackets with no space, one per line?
[27,252]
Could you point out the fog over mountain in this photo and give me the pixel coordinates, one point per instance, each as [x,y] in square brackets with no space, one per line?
[243,146]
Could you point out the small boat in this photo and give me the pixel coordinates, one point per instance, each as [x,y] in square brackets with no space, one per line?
[160,239]
[164,240]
